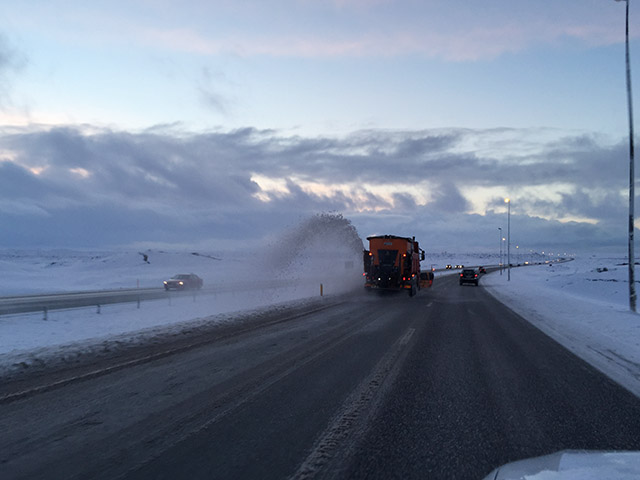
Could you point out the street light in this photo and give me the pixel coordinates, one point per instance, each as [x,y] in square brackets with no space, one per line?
[500,262]
[508,202]
[632,287]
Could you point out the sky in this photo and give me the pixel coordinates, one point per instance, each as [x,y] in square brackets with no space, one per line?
[214,123]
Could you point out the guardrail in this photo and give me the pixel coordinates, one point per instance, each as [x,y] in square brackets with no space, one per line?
[58,301]
[34,303]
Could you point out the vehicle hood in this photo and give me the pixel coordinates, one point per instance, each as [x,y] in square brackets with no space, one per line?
[572,465]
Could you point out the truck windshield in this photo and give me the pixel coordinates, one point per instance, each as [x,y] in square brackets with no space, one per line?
[387,257]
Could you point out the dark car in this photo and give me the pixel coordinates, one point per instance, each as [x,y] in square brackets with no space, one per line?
[482,270]
[469,275]
[184,281]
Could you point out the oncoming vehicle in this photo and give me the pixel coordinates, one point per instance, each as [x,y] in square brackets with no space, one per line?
[448,267]
[469,275]
[184,281]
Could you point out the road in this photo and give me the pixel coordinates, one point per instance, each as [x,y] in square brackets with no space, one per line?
[448,384]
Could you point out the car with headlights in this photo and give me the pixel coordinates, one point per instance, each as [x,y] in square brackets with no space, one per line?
[184,281]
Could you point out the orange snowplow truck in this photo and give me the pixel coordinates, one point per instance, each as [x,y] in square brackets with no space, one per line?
[392,263]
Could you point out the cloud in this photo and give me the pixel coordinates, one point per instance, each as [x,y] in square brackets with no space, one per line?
[447,198]
[11,62]
[471,43]
[98,186]
[209,93]
[346,28]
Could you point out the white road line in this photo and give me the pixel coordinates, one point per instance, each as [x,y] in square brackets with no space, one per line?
[141,360]
[407,336]
[351,420]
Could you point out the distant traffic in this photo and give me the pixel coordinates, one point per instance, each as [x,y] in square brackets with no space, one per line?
[184,281]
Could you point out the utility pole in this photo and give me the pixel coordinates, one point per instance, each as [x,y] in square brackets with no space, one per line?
[508,202]
[632,286]
[500,262]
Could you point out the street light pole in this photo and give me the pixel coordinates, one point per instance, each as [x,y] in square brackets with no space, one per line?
[508,202]
[632,286]
[500,262]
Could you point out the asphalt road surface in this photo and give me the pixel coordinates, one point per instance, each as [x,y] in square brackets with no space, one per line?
[449,384]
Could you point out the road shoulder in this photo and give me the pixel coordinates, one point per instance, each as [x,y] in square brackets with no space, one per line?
[601,334]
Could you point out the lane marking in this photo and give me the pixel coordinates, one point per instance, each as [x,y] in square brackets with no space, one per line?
[407,336]
[335,444]
[11,397]
[234,398]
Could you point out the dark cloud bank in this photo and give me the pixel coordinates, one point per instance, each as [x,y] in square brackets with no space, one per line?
[87,187]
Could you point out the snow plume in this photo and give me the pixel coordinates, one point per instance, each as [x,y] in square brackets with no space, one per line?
[326,248]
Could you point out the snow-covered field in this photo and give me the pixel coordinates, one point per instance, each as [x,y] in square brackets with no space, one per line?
[583,304]
[49,271]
